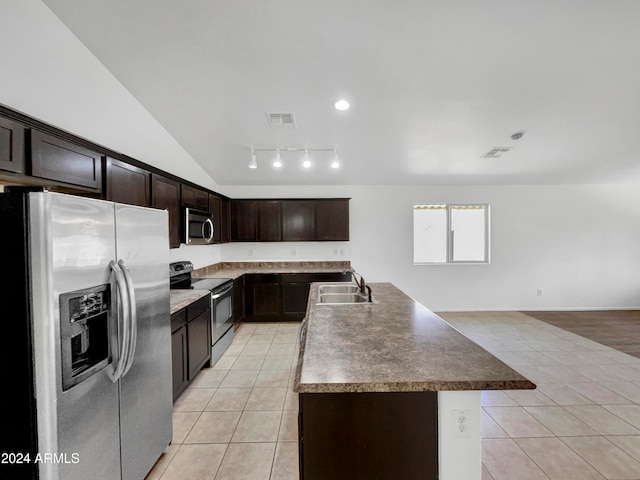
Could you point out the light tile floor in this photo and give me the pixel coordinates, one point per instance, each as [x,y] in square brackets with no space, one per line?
[583,420]
[237,420]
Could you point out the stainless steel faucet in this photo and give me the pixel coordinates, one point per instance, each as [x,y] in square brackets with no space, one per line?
[361,284]
[364,288]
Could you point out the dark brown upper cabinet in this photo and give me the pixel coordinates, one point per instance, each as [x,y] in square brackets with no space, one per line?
[127,184]
[165,194]
[332,219]
[11,146]
[290,220]
[225,220]
[214,210]
[195,198]
[244,215]
[269,227]
[55,159]
[298,220]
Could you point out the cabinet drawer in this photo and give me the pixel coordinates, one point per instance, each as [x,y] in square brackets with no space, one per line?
[198,307]
[178,319]
[55,159]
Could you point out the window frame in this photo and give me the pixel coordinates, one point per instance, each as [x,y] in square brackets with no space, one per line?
[450,235]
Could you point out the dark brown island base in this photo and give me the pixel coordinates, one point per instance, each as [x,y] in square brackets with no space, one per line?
[389,390]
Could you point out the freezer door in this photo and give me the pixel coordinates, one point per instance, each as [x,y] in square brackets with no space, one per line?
[72,240]
[146,388]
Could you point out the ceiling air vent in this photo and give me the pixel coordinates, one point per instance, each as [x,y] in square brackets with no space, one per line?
[281,119]
[497,152]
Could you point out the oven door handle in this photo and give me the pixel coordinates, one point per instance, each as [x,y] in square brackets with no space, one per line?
[222,293]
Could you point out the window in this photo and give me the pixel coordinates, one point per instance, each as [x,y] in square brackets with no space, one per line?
[451,233]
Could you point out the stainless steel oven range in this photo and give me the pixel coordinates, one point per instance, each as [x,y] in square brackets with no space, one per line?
[222,319]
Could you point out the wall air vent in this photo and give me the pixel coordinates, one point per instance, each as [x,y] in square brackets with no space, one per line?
[497,152]
[281,119]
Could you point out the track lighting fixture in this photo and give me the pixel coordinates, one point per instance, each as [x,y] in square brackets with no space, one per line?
[306,159]
[253,163]
[306,162]
[335,163]
[277,162]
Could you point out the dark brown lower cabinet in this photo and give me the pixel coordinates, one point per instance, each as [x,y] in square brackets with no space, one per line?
[360,436]
[282,297]
[190,343]
[238,299]
[179,347]
[294,300]
[263,297]
[199,341]
[179,361]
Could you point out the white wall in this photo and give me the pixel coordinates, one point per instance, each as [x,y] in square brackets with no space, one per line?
[579,244]
[47,73]
[200,255]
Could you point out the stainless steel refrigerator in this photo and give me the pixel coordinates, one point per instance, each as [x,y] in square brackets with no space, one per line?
[85,341]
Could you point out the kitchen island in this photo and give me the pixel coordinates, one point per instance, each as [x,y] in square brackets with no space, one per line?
[390,390]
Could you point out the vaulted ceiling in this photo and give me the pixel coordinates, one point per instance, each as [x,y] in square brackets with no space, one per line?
[434,86]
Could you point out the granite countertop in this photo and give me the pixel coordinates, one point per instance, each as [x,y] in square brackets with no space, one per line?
[395,345]
[237,269]
[183,298]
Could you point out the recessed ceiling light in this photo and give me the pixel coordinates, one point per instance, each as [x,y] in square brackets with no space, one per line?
[342,105]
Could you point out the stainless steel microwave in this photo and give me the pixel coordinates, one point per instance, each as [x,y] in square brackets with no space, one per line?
[198,227]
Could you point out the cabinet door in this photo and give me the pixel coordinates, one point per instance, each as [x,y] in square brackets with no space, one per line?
[225,216]
[266,302]
[56,159]
[214,209]
[165,194]
[238,299]
[194,198]
[262,298]
[243,220]
[269,225]
[332,219]
[199,340]
[11,146]
[179,360]
[127,184]
[298,220]
[294,301]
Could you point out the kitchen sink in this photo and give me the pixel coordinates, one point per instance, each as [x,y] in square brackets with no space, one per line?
[341,295]
[348,288]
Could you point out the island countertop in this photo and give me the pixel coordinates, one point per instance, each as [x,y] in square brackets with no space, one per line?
[395,345]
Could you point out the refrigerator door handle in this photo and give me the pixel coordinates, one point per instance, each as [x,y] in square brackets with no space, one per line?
[133,316]
[123,323]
